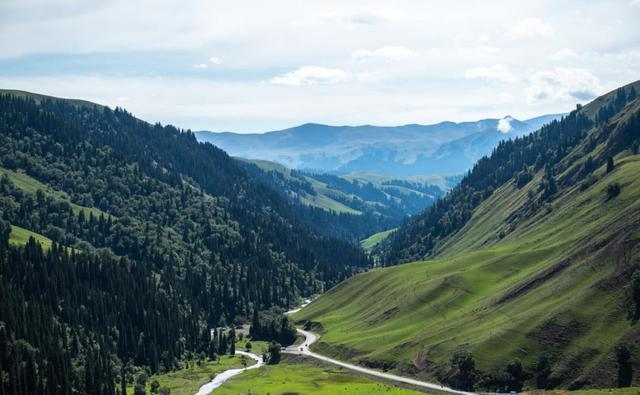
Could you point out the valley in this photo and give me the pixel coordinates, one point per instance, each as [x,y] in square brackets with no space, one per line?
[319,197]
[521,275]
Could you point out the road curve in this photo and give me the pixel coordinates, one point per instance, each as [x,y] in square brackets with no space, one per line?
[311,338]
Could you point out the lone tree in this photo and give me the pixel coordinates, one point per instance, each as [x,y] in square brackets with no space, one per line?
[274,353]
[155,387]
[635,295]
[610,165]
[232,342]
[464,367]
[518,375]
[243,361]
[613,190]
[625,369]
[543,371]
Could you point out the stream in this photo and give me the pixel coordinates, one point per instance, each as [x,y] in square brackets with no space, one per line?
[227,374]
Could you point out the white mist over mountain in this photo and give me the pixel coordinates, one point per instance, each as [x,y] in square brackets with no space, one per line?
[504,125]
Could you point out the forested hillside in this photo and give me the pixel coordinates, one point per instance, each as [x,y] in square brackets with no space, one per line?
[155,239]
[351,207]
[552,149]
[533,277]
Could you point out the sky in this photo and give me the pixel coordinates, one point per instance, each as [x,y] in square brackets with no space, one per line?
[255,66]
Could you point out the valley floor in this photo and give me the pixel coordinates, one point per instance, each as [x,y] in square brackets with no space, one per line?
[295,375]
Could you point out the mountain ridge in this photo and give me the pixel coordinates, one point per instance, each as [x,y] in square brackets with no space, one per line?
[403,150]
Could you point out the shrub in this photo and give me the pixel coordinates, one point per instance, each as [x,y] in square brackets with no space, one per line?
[613,190]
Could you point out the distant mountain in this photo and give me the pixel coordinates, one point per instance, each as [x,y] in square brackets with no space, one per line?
[407,150]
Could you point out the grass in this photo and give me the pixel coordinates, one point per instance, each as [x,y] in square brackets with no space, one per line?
[38,97]
[257,347]
[371,241]
[416,315]
[323,199]
[21,236]
[332,199]
[291,377]
[31,185]
[188,381]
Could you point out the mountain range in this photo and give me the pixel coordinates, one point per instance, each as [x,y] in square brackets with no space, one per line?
[407,150]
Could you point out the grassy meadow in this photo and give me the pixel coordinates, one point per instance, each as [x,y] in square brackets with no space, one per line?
[547,287]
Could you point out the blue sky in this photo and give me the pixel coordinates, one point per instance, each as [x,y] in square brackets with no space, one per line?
[258,66]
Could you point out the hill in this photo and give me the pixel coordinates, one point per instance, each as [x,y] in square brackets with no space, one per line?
[400,151]
[169,238]
[534,270]
[352,207]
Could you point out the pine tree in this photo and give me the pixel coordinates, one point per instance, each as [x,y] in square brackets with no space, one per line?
[610,165]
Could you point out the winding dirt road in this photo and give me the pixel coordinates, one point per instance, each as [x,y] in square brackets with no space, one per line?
[311,338]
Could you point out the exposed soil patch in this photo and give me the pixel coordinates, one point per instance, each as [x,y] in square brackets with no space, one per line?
[554,336]
[388,314]
[336,351]
[535,281]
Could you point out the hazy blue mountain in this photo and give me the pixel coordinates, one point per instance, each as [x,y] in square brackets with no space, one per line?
[407,150]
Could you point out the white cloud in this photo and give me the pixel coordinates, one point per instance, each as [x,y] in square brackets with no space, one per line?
[529,27]
[311,75]
[488,49]
[496,72]
[366,18]
[349,19]
[388,52]
[215,60]
[158,41]
[564,53]
[504,125]
[563,84]
[370,76]
[200,66]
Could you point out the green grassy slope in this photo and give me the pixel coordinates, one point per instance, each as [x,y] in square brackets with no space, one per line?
[31,185]
[371,241]
[38,97]
[514,282]
[20,235]
[325,197]
[415,315]
[334,199]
